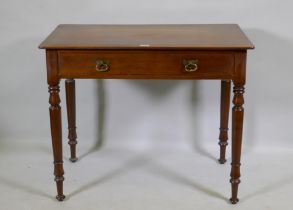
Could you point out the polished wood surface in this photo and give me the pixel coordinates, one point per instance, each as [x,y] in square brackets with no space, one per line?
[237,122]
[201,36]
[147,52]
[55,121]
[141,64]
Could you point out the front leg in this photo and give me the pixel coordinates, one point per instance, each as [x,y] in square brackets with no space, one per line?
[237,127]
[56,133]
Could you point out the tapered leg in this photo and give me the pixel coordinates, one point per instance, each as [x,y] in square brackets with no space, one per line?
[224,118]
[70,102]
[56,132]
[237,127]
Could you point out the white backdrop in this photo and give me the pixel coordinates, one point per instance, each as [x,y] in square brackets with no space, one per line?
[147,111]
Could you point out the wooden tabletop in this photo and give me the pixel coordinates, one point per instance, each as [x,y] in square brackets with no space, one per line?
[201,37]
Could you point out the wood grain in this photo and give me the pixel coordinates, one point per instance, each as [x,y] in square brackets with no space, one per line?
[55,121]
[139,63]
[237,123]
[147,52]
[205,36]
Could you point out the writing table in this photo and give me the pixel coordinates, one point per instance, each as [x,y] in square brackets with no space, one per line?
[189,52]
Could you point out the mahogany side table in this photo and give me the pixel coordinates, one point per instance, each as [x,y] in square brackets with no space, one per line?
[188,52]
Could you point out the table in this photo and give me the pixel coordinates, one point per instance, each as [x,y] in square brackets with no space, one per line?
[188,52]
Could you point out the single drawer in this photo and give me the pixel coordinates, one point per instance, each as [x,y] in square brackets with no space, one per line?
[146,64]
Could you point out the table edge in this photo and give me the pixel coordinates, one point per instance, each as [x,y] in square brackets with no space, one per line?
[44,45]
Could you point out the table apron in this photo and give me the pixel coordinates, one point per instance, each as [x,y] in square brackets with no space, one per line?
[146,64]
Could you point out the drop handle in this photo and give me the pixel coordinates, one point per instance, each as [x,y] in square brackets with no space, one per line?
[190,65]
[102,65]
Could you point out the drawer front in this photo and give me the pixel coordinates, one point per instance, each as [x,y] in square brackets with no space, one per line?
[146,64]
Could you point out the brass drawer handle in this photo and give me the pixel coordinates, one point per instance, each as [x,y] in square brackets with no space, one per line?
[190,65]
[102,65]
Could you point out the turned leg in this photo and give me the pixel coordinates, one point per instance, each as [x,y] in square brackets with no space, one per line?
[237,127]
[224,118]
[56,133]
[70,103]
